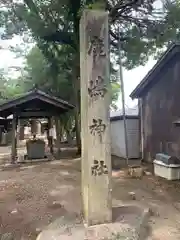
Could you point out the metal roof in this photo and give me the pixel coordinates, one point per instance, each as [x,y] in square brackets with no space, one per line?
[130,113]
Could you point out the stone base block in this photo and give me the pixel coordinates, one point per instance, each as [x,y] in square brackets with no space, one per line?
[130,222]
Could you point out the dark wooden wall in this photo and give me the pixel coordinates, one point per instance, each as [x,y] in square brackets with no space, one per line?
[160,108]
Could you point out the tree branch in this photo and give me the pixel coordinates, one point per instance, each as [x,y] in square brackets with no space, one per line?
[60,37]
[114,13]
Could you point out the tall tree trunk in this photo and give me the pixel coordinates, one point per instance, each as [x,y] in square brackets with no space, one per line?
[75,6]
[76,84]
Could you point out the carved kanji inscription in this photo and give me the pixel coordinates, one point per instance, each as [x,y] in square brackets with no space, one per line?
[96,48]
[97,128]
[97,88]
[99,168]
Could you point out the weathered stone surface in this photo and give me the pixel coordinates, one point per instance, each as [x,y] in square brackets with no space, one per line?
[7,236]
[63,228]
[130,224]
[95,101]
[35,149]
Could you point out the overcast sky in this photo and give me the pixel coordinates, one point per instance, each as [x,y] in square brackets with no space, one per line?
[132,79]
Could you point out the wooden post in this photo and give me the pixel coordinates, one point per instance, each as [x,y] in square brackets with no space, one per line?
[14,139]
[0,135]
[18,132]
[58,135]
[95,123]
[50,135]
[21,134]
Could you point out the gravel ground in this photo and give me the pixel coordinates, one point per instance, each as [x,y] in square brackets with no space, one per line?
[34,195]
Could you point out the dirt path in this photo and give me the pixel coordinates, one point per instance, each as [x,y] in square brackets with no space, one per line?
[161,196]
[34,195]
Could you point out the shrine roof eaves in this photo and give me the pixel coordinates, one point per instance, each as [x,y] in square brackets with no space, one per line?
[60,104]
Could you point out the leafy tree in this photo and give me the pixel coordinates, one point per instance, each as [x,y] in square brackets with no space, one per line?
[115,88]
[38,71]
[143,28]
[8,87]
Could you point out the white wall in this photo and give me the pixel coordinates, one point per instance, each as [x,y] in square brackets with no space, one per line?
[133,135]
[118,138]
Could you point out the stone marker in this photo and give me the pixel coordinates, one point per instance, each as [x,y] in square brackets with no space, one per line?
[95,123]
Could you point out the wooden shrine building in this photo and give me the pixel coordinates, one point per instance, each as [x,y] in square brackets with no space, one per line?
[33,104]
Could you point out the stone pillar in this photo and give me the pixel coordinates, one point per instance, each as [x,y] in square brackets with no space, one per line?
[14,139]
[95,123]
